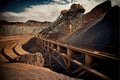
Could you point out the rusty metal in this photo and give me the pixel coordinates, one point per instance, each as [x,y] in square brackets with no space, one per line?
[86,68]
[83,72]
[58,62]
[88,59]
[64,61]
[94,53]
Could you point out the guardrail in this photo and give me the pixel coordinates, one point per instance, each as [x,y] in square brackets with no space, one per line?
[85,51]
[89,54]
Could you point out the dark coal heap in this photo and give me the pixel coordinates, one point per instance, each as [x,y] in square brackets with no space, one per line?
[102,35]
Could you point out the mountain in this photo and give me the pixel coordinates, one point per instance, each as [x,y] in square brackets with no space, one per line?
[33,22]
[29,23]
[20,28]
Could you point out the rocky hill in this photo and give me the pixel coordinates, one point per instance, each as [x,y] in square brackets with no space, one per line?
[28,23]
[29,27]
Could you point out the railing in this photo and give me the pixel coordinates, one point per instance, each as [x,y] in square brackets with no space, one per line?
[94,53]
[56,47]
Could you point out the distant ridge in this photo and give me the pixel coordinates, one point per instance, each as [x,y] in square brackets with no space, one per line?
[28,23]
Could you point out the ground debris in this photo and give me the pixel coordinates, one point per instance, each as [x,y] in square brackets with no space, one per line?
[33,59]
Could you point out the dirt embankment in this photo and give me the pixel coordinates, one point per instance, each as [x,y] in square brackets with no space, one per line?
[19,71]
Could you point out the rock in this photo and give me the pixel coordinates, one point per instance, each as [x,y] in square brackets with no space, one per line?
[33,59]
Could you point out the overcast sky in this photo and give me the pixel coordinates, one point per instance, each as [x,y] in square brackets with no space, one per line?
[39,10]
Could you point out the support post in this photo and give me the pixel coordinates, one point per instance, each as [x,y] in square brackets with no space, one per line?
[70,27]
[88,59]
[69,54]
[50,61]
[67,27]
[50,54]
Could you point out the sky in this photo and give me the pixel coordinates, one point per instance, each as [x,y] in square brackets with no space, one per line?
[39,10]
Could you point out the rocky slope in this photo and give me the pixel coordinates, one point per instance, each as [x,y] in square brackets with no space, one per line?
[15,28]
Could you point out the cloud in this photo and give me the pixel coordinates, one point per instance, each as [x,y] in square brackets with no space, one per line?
[45,12]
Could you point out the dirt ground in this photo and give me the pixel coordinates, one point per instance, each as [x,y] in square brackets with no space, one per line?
[20,71]
[15,37]
[23,71]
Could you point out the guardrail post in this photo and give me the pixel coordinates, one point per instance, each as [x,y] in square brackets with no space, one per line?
[69,54]
[88,59]
[50,54]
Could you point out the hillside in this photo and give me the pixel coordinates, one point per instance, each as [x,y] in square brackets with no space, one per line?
[30,23]
[18,28]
